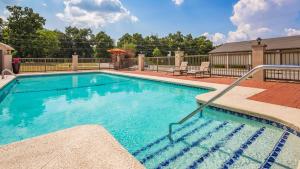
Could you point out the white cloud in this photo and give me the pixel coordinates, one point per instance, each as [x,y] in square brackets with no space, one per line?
[263,18]
[178,2]
[44,5]
[217,38]
[5,15]
[94,13]
[292,32]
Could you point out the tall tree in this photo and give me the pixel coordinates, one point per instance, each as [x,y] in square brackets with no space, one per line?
[204,45]
[47,43]
[81,41]
[103,42]
[22,25]
[156,52]
[125,39]
[65,45]
[1,29]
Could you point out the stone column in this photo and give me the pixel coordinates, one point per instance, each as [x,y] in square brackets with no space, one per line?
[141,62]
[179,56]
[74,62]
[118,63]
[258,52]
[7,60]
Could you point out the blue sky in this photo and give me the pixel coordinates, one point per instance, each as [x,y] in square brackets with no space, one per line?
[219,20]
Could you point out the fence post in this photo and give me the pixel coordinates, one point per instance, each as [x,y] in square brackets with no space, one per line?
[179,56]
[99,64]
[258,52]
[141,62]
[6,57]
[227,62]
[74,62]
[7,61]
[157,64]
[45,64]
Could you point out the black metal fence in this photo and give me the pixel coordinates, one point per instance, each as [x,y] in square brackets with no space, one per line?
[230,64]
[163,63]
[283,57]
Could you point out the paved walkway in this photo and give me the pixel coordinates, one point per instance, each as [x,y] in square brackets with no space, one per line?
[280,93]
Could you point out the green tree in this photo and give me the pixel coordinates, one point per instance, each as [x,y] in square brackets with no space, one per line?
[125,39]
[175,41]
[22,25]
[80,40]
[130,47]
[156,52]
[103,43]
[65,45]
[204,45]
[47,43]
[1,29]
[1,23]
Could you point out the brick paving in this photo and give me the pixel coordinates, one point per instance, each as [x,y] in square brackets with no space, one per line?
[280,93]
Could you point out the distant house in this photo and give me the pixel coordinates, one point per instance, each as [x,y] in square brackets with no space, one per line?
[234,59]
[273,44]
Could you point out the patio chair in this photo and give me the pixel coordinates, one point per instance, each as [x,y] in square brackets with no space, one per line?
[204,68]
[183,68]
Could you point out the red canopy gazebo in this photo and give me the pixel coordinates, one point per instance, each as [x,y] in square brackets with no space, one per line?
[117,56]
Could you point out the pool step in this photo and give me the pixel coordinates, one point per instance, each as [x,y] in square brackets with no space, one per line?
[205,143]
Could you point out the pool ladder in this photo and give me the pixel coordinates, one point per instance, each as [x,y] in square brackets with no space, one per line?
[6,70]
[237,82]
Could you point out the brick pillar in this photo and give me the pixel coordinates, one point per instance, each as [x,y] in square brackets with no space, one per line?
[179,55]
[7,61]
[75,62]
[141,62]
[258,52]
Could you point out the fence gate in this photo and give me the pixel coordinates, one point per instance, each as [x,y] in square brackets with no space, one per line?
[284,57]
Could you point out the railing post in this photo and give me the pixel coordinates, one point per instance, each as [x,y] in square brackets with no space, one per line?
[258,52]
[141,62]
[74,62]
[227,63]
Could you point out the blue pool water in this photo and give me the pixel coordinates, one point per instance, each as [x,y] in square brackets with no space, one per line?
[137,113]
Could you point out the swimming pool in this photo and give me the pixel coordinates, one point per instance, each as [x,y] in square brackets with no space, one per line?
[137,113]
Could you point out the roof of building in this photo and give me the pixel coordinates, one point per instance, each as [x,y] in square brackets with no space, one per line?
[289,42]
[5,46]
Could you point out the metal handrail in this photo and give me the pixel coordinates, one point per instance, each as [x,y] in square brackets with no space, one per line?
[7,70]
[245,76]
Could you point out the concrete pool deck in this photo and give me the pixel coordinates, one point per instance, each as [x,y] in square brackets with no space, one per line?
[80,147]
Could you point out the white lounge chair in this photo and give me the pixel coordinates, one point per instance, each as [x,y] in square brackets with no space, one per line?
[204,68]
[183,68]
